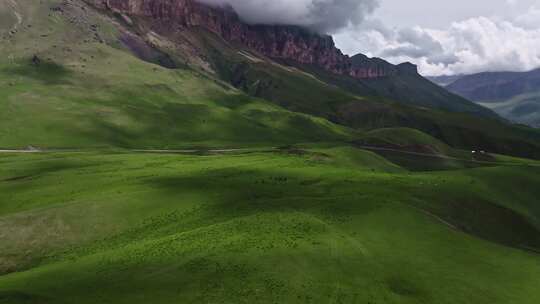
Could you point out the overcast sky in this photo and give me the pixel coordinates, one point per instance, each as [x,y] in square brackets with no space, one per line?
[440,14]
[450,37]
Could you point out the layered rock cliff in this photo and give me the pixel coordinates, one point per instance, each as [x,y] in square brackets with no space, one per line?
[278,42]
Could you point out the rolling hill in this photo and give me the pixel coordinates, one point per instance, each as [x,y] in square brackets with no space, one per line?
[315,223]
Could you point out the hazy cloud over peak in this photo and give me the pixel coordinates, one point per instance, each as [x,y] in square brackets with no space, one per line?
[325,16]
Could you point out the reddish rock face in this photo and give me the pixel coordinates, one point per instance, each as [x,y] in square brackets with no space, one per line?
[281,42]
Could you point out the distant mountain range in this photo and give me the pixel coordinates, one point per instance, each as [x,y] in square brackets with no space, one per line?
[513,95]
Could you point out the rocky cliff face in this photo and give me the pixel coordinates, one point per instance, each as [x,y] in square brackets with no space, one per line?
[278,42]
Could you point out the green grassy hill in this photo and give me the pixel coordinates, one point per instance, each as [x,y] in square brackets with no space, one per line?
[131,104]
[61,87]
[404,137]
[522,108]
[320,224]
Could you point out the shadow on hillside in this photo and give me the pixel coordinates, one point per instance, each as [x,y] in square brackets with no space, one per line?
[238,192]
[15,297]
[158,117]
[423,163]
[49,73]
[494,223]
[19,178]
[234,192]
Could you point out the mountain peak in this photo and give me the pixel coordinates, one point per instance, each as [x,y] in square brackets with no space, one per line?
[408,68]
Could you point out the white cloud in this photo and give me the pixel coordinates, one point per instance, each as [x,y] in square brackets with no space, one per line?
[531,19]
[468,46]
[321,15]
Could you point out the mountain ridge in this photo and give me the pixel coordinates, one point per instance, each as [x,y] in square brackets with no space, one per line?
[173,20]
[275,41]
[493,86]
[513,95]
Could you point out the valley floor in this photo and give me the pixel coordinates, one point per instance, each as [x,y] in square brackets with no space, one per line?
[316,224]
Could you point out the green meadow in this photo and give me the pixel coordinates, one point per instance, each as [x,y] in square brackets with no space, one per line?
[139,105]
[318,224]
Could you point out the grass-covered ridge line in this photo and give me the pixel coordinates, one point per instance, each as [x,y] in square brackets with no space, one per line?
[293,225]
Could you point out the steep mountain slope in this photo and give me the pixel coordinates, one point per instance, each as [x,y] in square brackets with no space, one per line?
[303,71]
[67,81]
[292,45]
[68,52]
[513,95]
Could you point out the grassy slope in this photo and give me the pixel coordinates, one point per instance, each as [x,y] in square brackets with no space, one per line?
[404,137]
[407,88]
[513,95]
[86,94]
[331,225]
[523,108]
[296,90]
[286,86]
